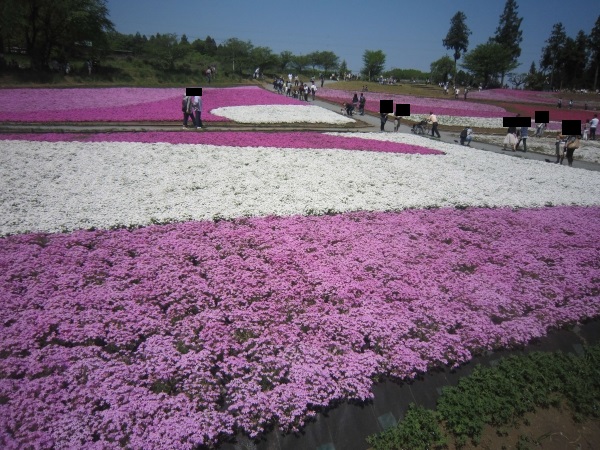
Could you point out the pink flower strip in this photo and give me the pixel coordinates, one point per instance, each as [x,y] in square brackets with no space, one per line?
[172,336]
[124,104]
[418,105]
[299,140]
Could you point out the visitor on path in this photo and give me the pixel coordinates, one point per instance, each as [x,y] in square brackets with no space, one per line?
[186,108]
[434,124]
[559,104]
[361,104]
[523,138]
[466,135]
[466,92]
[197,106]
[355,101]
[383,118]
[510,139]
[560,139]
[322,79]
[348,108]
[456,92]
[397,123]
[571,104]
[571,145]
[541,127]
[593,126]
[313,90]
[586,129]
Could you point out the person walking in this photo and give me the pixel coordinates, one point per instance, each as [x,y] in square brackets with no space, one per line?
[313,90]
[510,138]
[571,145]
[197,106]
[559,104]
[593,126]
[434,124]
[361,104]
[186,108]
[383,118]
[523,138]
[559,140]
[355,101]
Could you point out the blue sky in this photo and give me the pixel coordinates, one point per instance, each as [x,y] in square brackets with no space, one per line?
[409,33]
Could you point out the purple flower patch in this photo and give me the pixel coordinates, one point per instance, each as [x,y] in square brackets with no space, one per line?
[176,335]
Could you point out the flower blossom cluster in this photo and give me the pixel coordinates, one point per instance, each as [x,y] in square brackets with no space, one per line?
[177,335]
[58,186]
[123,104]
[419,105]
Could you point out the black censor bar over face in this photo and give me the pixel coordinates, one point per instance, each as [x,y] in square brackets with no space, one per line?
[193,91]
[571,127]
[516,121]
[402,109]
[542,117]
[386,106]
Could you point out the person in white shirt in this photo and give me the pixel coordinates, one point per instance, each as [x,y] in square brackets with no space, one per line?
[434,124]
[197,105]
[593,126]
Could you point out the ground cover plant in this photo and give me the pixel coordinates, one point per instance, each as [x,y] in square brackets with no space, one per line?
[208,284]
[500,396]
[124,104]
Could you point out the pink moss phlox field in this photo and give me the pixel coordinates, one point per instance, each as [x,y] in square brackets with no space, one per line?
[418,105]
[299,140]
[176,335]
[124,104]
[515,95]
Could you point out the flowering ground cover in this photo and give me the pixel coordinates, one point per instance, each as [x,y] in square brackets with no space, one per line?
[123,104]
[282,114]
[514,96]
[336,268]
[171,336]
[418,105]
[56,186]
[292,139]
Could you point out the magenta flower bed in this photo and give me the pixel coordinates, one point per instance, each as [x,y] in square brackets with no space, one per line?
[123,104]
[299,140]
[418,105]
[520,96]
[171,336]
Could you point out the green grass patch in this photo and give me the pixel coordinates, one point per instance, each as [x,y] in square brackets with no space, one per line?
[500,396]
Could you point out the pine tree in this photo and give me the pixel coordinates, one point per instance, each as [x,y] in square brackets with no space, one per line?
[509,33]
[594,43]
[457,38]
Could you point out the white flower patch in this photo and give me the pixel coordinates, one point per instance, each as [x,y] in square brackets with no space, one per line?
[281,114]
[47,186]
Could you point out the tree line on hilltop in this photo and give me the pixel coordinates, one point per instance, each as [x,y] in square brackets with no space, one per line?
[47,32]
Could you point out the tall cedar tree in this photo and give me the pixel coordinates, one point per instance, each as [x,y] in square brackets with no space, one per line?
[594,42]
[551,54]
[457,38]
[508,33]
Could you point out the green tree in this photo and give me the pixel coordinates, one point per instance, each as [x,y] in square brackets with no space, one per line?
[553,51]
[236,52]
[327,60]
[594,43]
[441,69]
[51,28]
[343,69]
[457,38]
[535,79]
[300,62]
[285,59]
[487,61]
[166,50]
[509,32]
[374,63]
[264,58]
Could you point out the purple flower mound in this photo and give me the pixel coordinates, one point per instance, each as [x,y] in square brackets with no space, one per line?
[299,140]
[171,336]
